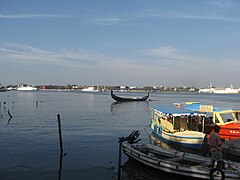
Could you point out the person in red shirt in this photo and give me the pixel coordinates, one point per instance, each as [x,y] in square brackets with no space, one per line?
[215,147]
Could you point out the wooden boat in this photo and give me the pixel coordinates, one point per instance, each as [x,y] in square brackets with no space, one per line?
[125,99]
[179,163]
[176,162]
[174,125]
[227,119]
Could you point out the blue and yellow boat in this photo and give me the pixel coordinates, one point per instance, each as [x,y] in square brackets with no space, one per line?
[176,125]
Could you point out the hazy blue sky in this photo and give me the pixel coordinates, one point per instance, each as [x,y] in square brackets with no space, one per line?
[120,42]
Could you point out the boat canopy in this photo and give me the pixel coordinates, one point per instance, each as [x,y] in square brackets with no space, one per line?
[171,110]
[207,108]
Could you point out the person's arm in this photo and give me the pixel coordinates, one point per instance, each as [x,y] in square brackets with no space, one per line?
[219,142]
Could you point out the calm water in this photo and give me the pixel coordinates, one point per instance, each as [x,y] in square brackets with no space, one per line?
[91,126]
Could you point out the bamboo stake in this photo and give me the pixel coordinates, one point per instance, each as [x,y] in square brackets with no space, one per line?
[61,148]
[60,133]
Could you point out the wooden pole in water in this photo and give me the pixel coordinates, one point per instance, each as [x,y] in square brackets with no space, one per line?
[9,114]
[120,158]
[61,147]
[60,134]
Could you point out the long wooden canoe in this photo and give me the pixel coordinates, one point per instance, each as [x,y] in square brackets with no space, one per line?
[125,99]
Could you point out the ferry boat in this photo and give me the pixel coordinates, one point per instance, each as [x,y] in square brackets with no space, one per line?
[24,87]
[173,125]
[227,90]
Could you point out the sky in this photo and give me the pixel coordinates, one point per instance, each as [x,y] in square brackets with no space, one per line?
[127,42]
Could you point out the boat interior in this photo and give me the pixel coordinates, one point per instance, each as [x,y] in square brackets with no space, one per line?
[185,123]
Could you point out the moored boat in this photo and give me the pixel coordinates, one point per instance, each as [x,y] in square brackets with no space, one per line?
[228,119]
[174,125]
[125,99]
[176,162]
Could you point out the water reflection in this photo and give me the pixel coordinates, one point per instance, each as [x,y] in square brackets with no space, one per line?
[170,145]
[117,105]
[156,141]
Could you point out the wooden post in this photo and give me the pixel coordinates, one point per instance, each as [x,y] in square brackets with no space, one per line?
[61,148]
[9,114]
[60,134]
[120,158]
[60,167]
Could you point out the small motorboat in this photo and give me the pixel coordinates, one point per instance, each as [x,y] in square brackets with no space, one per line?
[126,99]
[176,162]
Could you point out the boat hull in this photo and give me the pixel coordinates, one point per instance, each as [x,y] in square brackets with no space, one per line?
[230,131]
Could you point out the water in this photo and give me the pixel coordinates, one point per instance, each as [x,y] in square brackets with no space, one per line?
[91,126]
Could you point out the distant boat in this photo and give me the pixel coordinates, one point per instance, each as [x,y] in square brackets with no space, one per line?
[26,88]
[228,90]
[125,99]
[91,89]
